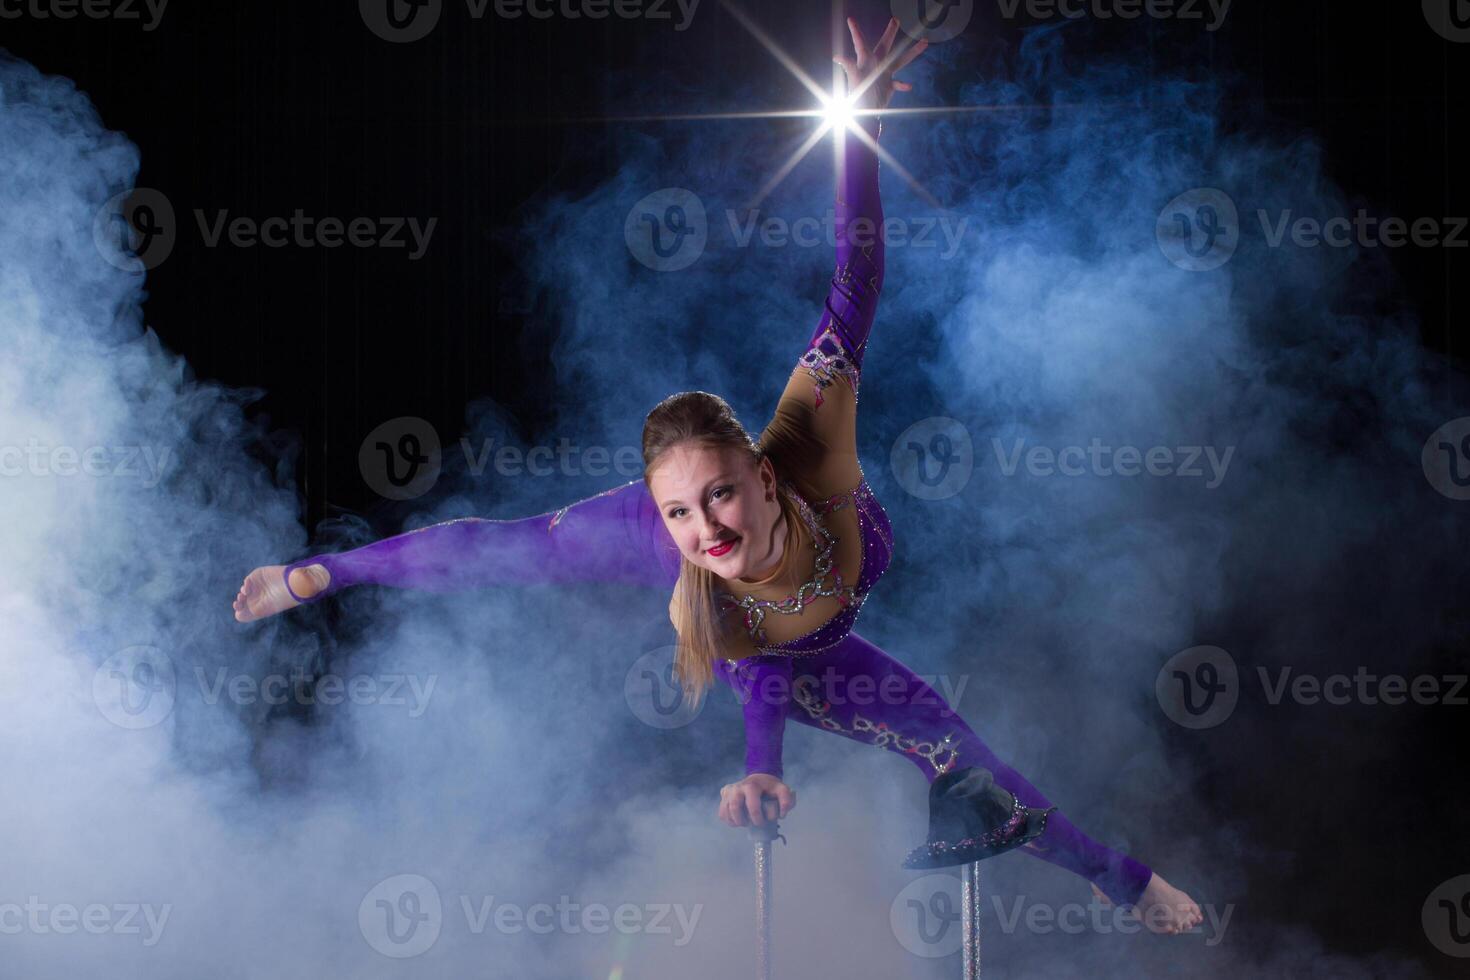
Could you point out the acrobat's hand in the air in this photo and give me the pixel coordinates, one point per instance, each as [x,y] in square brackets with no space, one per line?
[263,593]
[740,803]
[880,64]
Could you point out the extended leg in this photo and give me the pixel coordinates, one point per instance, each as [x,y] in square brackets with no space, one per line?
[892,707]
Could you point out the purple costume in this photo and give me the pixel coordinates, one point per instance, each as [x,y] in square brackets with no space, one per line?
[619,536]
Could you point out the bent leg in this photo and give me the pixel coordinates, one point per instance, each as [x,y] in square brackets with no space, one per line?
[858,690]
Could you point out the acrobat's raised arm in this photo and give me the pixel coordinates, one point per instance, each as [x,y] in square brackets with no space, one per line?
[614,536]
[813,436]
[840,339]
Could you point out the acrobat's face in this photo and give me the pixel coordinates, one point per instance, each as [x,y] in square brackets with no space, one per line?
[720,508]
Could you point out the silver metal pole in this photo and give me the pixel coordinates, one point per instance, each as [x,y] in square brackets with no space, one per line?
[762,836]
[970,918]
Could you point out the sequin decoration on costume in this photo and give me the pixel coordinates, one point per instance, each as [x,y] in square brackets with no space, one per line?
[836,349]
[823,541]
[874,529]
[826,361]
[882,736]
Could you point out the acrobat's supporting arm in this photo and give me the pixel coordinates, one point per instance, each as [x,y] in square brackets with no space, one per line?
[762,683]
[613,536]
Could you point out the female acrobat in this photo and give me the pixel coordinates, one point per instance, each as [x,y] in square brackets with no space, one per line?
[770,547]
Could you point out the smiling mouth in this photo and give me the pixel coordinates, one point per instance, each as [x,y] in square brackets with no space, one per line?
[723,548]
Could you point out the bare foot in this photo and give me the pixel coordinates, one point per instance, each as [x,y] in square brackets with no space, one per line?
[263,593]
[1162,907]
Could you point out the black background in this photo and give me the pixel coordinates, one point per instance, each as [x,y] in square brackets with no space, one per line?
[265,108]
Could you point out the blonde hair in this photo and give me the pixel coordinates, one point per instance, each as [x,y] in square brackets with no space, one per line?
[708,422]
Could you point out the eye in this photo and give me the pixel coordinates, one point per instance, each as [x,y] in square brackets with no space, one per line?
[674,514]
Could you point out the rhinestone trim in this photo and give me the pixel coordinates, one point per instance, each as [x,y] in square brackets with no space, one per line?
[556,517]
[870,514]
[825,367]
[823,542]
[882,736]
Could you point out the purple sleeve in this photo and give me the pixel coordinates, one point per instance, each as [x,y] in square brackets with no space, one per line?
[838,343]
[614,536]
[763,685]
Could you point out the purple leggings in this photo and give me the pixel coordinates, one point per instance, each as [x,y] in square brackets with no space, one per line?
[893,708]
